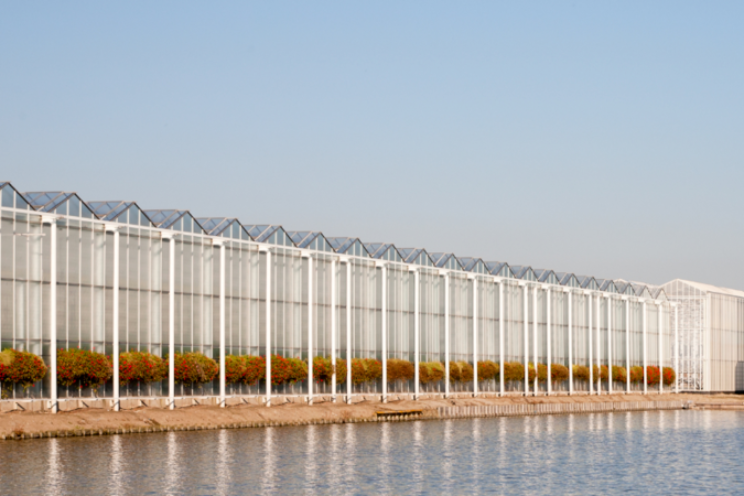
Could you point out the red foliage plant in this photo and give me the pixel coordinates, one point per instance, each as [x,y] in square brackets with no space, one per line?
[636,374]
[601,372]
[365,370]
[653,375]
[21,367]
[297,370]
[669,376]
[194,368]
[323,370]
[558,373]
[619,374]
[83,368]
[139,366]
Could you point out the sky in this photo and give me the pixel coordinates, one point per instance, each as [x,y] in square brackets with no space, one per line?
[600,138]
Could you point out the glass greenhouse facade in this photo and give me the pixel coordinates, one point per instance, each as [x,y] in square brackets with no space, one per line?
[711,336]
[113,277]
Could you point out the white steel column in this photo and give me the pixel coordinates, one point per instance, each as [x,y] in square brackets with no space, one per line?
[627,345]
[570,343]
[475,336]
[115,317]
[222,326]
[660,353]
[591,356]
[676,347]
[384,333]
[416,332]
[171,322]
[525,296]
[645,365]
[550,357]
[501,337]
[348,332]
[446,335]
[599,346]
[52,221]
[610,302]
[310,347]
[268,328]
[333,329]
[535,385]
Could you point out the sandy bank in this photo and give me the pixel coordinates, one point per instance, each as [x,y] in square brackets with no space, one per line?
[24,425]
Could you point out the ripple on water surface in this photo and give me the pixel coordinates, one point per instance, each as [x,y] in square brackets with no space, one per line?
[679,452]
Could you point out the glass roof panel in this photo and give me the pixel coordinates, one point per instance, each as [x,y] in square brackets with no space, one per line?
[12,198]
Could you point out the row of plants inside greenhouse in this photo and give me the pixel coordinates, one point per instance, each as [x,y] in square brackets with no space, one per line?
[89,369]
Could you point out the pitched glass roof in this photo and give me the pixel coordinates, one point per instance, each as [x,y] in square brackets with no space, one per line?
[499,269]
[383,251]
[178,220]
[312,240]
[224,226]
[272,234]
[607,285]
[568,279]
[67,203]
[12,198]
[416,256]
[547,276]
[523,272]
[349,246]
[446,261]
[473,265]
[59,202]
[120,211]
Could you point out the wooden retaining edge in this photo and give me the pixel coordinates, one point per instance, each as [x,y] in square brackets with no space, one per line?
[465,412]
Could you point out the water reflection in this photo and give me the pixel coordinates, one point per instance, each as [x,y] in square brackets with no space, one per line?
[680,452]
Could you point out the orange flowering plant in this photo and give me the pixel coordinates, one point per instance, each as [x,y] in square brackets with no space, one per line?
[83,368]
[141,366]
[20,367]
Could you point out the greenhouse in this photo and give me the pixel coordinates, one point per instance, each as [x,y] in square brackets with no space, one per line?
[711,336]
[255,311]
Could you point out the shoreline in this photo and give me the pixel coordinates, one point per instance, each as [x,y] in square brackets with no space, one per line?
[97,422]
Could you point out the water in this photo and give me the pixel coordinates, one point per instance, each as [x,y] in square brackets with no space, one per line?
[678,452]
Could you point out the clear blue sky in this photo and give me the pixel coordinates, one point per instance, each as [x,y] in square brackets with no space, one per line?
[601,138]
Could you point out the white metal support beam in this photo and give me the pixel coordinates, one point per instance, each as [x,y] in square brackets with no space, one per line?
[268,328]
[52,221]
[660,351]
[627,346]
[598,302]
[535,385]
[550,338]
[172,323]
[446,335]
[570,344]
[676,347]
[310,337]
[475,337]
[645,363]
[501,337]
[384,334]
[115,317]
[610,303]
[334,329]
[525,301]
[591,357]
[416,333]
[349,357]
[223,397]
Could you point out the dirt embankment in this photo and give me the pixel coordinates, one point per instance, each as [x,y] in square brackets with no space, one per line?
[98,421]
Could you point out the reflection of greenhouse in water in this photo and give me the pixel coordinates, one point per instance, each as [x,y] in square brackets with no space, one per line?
[163,281]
